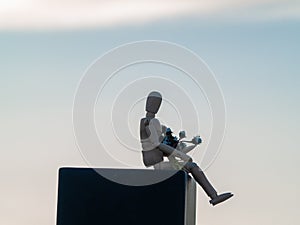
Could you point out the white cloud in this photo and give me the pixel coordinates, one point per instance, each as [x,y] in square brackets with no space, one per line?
[74,14]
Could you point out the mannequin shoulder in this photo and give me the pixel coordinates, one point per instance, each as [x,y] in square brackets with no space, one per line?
[155,122]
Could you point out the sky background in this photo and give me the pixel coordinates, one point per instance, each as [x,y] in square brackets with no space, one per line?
[251,46]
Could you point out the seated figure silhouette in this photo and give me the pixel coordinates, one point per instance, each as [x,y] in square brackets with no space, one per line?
[154,149]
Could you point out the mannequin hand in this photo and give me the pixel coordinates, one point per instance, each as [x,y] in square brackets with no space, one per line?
[196,140]
[182,134]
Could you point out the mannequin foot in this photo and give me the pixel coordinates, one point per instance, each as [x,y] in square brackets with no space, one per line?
[220,198]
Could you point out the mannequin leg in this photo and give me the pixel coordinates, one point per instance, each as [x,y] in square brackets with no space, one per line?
[168,150]
[202,180]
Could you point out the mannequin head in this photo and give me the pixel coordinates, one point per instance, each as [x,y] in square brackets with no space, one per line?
[153,102]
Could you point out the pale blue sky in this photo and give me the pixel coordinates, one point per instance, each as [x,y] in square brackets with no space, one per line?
[256,63]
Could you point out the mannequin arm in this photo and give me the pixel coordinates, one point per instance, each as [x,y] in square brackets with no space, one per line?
[187,149]
[154,132]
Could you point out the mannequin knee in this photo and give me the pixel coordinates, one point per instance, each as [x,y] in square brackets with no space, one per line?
[191,165]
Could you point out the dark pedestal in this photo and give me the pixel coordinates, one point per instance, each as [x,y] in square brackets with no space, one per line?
[87,198]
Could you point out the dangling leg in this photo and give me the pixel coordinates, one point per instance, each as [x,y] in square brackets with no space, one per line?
[201,179]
